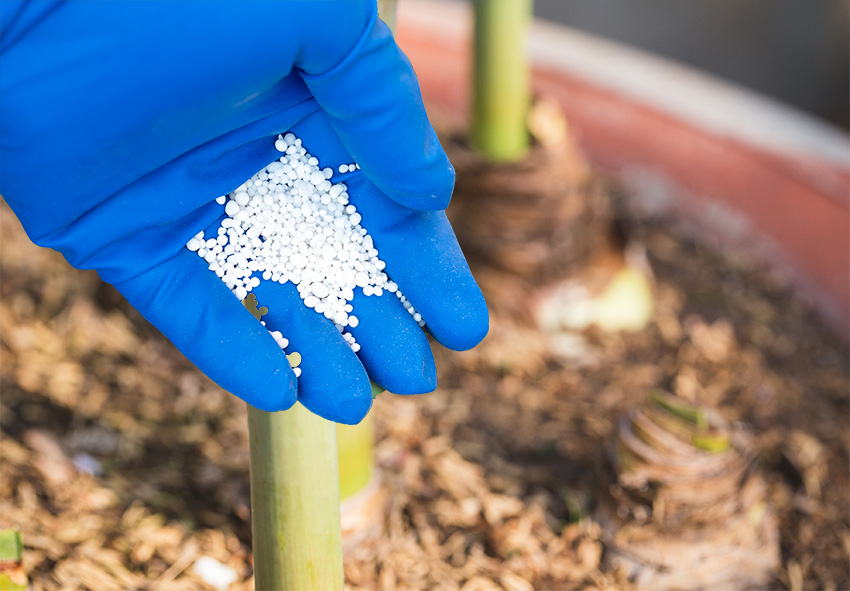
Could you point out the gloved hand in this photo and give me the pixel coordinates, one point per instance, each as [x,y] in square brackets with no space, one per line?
[121,123]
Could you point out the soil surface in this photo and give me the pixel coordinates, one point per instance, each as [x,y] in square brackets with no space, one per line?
[123,465]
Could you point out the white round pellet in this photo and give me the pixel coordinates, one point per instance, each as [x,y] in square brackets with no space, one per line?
[353,321]
[328,252]
[320,290]
[299,260]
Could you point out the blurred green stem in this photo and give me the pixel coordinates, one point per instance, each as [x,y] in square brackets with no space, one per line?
[294,501]
[356,445]
[12,575]
[387,11]
[501,80]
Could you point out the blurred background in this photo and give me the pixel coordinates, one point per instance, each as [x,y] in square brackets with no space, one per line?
[793,50]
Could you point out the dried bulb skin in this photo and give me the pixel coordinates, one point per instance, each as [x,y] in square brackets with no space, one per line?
[686,506]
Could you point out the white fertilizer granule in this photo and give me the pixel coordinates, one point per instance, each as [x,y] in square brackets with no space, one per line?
[289,222]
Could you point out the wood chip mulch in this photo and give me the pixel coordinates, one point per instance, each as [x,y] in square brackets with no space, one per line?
[122,465]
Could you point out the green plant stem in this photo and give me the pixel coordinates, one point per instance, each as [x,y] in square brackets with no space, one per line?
[356,458]
[11,548]
[294,501]
[12,577]
[501,80]
[356,445]
[387,11]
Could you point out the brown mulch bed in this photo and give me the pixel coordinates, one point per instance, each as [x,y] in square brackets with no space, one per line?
[491,480]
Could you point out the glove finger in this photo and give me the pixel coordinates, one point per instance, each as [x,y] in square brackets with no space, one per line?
[333,383]
[375,106]
[393,348]
[424,258]
[192,307]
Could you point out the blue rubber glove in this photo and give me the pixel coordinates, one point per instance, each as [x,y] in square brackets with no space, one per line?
[121,123]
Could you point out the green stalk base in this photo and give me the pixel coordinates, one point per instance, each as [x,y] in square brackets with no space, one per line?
[501,79]
[294,501]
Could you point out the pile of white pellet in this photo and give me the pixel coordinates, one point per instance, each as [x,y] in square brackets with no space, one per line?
[289,222]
